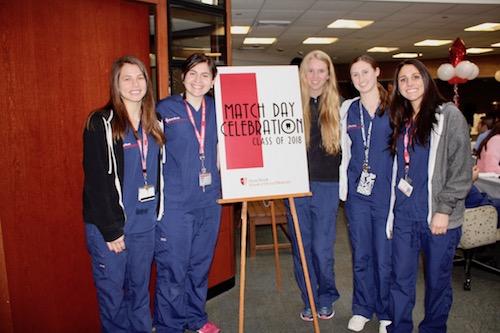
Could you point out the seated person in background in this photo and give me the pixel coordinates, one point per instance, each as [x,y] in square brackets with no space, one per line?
[483,129]
[488,152]
[476,198]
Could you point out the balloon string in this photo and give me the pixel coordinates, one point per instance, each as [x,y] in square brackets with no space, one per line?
[455,97]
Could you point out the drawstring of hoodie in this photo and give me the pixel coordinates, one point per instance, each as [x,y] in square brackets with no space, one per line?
[112,159]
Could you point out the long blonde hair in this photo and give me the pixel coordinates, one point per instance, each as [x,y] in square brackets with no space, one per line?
[329,116]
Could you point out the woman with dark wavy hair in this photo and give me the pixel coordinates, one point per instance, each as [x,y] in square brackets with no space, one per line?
[432,147]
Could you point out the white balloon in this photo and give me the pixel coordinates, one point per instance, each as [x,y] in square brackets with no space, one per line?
[445,72]
[464,69]
[475,72]
[497,75]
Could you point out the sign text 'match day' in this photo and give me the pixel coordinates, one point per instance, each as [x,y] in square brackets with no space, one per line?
[260,131]
[266,121]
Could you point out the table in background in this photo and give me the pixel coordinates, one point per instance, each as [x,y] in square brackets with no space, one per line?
[490,185]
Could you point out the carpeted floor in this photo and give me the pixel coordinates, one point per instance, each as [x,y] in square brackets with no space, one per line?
[270,311]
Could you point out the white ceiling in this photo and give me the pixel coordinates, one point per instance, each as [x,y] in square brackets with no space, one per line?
[398,23]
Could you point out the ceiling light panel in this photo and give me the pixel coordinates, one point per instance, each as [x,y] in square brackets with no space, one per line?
[319,40]
[433,42]
[478,50]
[382,49]
[349,24]
[273,24]
[488,26]
[240,29]
[259,40]
[405,55]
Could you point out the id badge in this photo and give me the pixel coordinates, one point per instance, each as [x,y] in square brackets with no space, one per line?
[205,179]
[146,193]
[405,187]
[366,183]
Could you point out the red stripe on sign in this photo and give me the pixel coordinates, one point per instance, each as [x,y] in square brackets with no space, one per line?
[240,111]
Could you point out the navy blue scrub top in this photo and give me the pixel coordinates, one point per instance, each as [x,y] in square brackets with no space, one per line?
[379,158]
[183,166]
[414,207]
[141,216]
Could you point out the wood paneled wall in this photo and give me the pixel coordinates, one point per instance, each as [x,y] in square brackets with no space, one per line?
[55,59]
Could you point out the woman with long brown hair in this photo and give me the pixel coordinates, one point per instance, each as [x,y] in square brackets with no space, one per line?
[122,196]
[365,186]
[432,147]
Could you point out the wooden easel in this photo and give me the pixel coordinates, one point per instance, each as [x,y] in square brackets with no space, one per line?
[244,250]
[275,245]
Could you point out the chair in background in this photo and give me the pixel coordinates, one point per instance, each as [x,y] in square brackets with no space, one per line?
[259,213]
[272,213]
[479,229]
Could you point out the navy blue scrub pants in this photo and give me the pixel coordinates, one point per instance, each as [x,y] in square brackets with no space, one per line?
[122,281]
[409,238]
[371,257]
[184,249]
[317,217]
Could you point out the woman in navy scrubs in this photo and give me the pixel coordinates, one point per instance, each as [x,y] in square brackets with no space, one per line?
[365,179]
[317,215]
[122,193]
[187,234]
[432,148]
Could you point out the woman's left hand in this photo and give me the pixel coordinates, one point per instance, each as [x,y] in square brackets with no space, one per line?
[439,224]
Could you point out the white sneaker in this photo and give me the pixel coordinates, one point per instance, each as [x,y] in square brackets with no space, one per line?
[382,328]
[357,323]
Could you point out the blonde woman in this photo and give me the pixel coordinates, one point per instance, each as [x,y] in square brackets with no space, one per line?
[317,215]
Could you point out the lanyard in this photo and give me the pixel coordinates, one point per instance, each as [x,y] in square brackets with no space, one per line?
[199,136]
[143,151]
[366,138]
[408,140]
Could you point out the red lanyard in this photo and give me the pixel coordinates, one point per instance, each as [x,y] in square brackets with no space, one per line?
[408,140]
[200,137]
[143,150]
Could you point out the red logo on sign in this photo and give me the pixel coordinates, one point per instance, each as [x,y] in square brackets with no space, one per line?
[239,95]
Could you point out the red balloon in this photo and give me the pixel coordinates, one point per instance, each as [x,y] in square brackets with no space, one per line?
[456,80]
[457,52]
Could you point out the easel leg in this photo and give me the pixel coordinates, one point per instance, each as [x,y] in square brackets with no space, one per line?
[275,243]
[304,263]
[243,258]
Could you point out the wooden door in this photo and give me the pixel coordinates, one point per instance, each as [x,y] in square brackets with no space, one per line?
[55,62]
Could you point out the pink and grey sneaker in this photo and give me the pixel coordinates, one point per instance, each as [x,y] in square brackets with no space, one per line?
[209,327]
[306,314]
[326,312]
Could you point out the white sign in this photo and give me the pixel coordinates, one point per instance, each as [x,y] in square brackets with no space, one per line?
[261,132]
